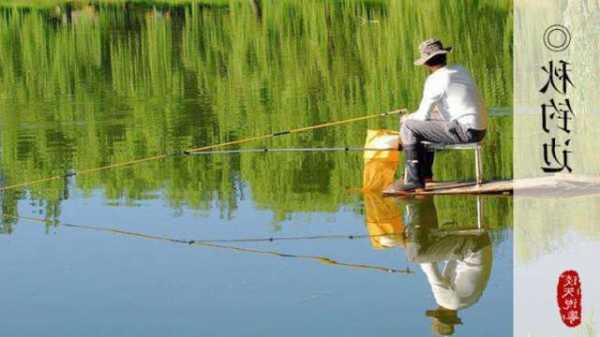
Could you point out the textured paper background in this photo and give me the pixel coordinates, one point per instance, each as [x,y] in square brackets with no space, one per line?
[556,229]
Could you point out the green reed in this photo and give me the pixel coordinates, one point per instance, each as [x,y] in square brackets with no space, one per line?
[120,81]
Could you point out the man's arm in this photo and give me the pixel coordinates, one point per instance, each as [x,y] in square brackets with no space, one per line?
[432,93]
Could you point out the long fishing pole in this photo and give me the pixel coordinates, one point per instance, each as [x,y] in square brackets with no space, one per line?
[207,244]
[292,149]
[298,130]
[199,149]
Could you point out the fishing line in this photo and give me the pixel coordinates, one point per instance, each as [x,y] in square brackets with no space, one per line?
[199,149]
[291,149]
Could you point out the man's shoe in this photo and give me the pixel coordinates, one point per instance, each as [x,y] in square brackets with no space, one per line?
[399,187]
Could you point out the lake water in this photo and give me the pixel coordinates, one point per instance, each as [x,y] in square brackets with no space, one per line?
[248,244]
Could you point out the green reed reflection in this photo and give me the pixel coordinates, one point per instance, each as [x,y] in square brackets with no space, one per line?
[122,80]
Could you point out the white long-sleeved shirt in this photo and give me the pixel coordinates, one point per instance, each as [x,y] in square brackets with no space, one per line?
[452,90]
[462,282]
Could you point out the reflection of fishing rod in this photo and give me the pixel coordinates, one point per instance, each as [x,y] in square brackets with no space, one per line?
[292,149]
[208,244]
[202,148]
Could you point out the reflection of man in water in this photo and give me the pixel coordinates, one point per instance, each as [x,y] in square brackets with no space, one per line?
[457,266]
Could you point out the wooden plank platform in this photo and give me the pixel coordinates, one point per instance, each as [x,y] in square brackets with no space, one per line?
[550,186]
[465,187]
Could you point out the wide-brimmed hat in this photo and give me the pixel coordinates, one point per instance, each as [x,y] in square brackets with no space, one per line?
[444,316]
[443,321]
[430,48]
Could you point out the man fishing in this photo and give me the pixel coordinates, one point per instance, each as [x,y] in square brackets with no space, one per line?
[451,92]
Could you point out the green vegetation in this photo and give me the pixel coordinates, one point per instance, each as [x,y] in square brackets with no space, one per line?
[113,82]
[45,4]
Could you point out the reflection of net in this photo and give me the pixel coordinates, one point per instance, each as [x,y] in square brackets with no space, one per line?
[380,166]
[384,221]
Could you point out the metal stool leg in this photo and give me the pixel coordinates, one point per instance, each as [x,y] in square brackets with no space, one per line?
[479,212]
[478,166]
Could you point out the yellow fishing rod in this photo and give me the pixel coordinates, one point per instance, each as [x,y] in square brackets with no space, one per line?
[292,131]
[202,148]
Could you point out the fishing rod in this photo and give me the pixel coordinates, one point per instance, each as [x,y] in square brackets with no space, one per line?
[291,149]
[298,130]
[199,149]
[207,244]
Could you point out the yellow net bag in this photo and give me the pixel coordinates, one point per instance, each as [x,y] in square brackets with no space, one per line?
[380,165]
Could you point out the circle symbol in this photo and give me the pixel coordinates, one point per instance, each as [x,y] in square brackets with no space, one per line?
[557,38]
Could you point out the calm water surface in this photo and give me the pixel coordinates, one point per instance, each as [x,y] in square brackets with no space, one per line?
[160,248]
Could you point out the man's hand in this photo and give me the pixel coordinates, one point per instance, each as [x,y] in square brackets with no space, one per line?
[404,118]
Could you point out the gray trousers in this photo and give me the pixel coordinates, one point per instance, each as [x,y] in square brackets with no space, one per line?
[413,132]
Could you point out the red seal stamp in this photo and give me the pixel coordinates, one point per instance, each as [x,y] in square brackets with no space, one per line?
[568,296]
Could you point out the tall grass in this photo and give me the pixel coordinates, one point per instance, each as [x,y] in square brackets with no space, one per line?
[119,82]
